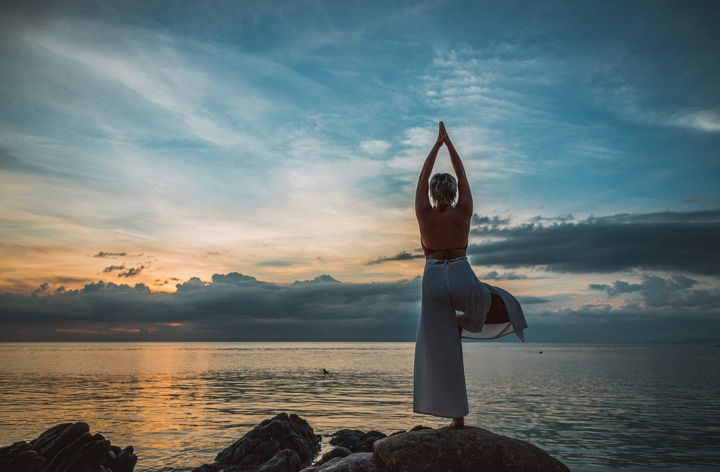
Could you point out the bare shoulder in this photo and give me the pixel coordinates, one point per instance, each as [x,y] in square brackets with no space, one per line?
[464,209]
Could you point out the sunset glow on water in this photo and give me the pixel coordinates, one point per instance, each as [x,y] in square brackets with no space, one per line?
[594,407]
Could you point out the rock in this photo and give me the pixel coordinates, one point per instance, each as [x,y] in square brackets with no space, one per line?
[419,427]
[20,457]
[346,437]
[365,443]
[49,435]
[66,436]
[355,439]
[261,445]
[124,461]
[90,456]
[358,462]
[63,458]
[206,468]
[67,447]
[286,460]
[336,452]
[467,449]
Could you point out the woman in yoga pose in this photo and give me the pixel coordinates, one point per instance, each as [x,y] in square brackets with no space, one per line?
[449,285]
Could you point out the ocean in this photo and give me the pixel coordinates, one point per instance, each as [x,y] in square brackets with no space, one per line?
[596,407]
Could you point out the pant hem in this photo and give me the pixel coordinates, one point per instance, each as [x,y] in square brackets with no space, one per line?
[442,415]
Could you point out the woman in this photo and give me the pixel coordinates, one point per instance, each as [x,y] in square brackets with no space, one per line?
[449,285]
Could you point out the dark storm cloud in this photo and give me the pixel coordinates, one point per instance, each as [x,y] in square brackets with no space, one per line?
[403,256]
[674,241]
[656,291]
[231,305]
[238,307]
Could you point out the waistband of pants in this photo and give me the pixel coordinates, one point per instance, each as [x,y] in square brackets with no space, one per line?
[445,261]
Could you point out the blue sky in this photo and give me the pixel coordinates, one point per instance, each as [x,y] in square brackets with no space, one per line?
[143,143]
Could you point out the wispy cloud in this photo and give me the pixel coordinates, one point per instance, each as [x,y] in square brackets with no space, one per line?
[286,139]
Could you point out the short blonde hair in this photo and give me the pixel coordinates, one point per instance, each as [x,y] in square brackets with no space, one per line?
[443,187]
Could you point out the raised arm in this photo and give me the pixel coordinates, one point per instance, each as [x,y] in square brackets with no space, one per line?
[422,202]
[464,200]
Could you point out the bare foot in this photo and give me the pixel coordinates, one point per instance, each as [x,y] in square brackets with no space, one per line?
[457,423]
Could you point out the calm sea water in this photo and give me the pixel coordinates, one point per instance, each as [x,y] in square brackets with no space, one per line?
[595,407]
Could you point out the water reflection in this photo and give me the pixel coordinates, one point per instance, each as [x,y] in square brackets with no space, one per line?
[594,407]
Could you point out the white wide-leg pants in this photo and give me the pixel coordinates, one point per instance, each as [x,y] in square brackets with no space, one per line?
[439,373]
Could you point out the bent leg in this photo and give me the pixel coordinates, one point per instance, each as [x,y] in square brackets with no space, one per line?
[498,312]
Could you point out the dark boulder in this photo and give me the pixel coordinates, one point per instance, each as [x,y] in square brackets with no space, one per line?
[65,437]
[20,457]
[67,447]
[419,427]
[356,440]
[283,443]
[89,457]
[358,462]
[336,452]
[462,450]
[48,436]
[346,437]
[206,468]
[365,443]
[284,461]
[121,460]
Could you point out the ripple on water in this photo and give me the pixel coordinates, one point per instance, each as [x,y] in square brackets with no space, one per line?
[595,407]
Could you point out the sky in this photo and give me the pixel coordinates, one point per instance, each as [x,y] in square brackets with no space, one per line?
[245,171]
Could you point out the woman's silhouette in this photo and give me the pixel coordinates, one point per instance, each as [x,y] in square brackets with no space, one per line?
[450,285]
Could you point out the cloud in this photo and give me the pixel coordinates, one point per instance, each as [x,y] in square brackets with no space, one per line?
[240,307]
[494,275]
[402,256]
[114,267]
[689,200]
[231,306]
[275,263]
[132,271]
[532,300]
[374,147]
[539,218]
[673,241]
[703,120]
[656,291]
[489,220]
[318,280]
[111,255]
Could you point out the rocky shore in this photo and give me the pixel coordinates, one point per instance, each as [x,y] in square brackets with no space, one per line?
[287,443]
[67,447]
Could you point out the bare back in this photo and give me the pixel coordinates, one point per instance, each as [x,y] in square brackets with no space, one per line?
[444,227]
